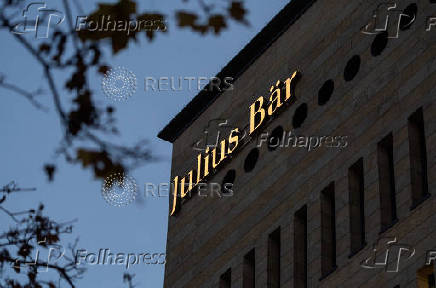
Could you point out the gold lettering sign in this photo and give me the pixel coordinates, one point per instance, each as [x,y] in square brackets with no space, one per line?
[206,167]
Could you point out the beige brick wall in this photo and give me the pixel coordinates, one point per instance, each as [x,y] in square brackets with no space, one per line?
[210,235]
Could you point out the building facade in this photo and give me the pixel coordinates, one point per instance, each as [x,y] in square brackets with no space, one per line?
[358,209]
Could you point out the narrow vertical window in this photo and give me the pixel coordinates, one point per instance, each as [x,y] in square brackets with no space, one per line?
[418,158]
[357,209]
[385,160]
[226,278]
[274,259]
[328,230]
[300,248]
[249,271]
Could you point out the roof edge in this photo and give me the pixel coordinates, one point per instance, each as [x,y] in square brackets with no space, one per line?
[239,64]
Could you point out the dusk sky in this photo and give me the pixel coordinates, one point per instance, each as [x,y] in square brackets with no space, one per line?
[30,137]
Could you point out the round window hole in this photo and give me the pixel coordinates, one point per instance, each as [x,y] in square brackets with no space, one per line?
[228,181]
[408,16]
[299,116]
[352,68]
[379,44]
[326,92]
[251,160]
[275,138]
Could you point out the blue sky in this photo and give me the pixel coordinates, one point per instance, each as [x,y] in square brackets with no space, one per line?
[29,137]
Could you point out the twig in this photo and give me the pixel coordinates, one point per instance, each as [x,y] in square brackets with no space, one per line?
[28,95]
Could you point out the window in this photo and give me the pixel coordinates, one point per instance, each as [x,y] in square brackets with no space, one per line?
[275,138]
[385,160]
[408,16]
[325,92]
[299,116]
[228,179]
[418,158]
[226,278]
[300,248]
[379,44]
[352,68]
[274,259]
[249,272]
[251,160]
[425,277]
[357,211]
[328,230]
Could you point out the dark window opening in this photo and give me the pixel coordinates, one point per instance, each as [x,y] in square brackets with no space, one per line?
[225,279]
[408,17]
[273,273]
[328,230]
[251,160]
[379,44]
[357,209]
[299,116]
[418,158]
[229,178]
[249,270]
[300,248]
[385,159]
[275,138]
[326,92]
[352,68]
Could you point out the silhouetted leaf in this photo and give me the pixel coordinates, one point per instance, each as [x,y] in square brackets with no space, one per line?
[25,250]
[103,69]
[238,12]
[50,170]
[186,19]
[217,22]
[100,161]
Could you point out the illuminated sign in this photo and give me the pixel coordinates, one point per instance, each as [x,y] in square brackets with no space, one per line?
[208,163]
